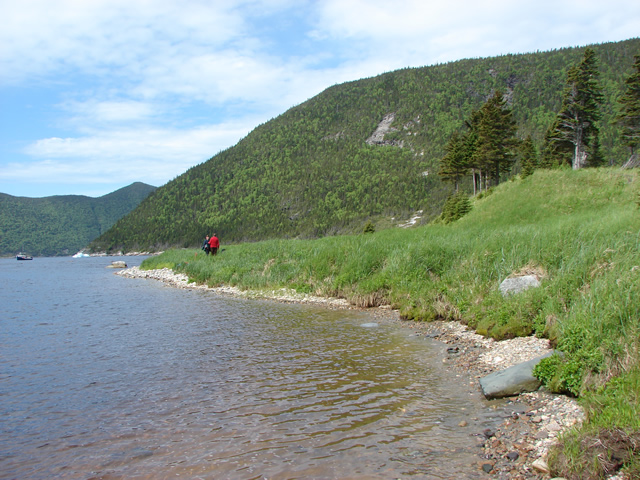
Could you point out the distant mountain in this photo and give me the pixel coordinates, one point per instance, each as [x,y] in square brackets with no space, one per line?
[366,150]
[62,224]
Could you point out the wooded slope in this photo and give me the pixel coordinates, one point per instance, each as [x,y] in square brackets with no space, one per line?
[311,171]
[62,224]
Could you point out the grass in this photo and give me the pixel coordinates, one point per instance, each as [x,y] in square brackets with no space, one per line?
[578,231]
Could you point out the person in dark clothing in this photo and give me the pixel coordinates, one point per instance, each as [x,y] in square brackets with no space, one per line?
[205,245]
[214,244]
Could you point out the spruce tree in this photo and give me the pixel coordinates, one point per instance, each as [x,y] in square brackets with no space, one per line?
[596,158]
[496,142]
[576,120]
[455,207]
[529,157]
[629,117]
[454,165]
[555,152]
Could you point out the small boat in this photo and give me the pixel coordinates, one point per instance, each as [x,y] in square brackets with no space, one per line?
[80,255]
[23,256]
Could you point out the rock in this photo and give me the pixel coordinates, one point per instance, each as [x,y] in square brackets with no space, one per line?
[463,424]
[553,426]
[541,465]
[488,433]
[384,127]
[487,467]
[512,381]
[117,264]
[518,284]
[542,434]
[513,456]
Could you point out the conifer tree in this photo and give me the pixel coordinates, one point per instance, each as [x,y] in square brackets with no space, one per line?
[496,142]
[629,116]
[455,207]
[576,120]
[596,158]
[529,157]
[454,165]
[555,152]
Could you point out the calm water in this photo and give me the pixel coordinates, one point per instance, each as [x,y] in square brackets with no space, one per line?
[109,377]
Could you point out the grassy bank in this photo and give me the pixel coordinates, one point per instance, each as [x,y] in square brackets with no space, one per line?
[578,231]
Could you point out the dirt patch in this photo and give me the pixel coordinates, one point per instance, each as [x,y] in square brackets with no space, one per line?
[530,269]
[607,451]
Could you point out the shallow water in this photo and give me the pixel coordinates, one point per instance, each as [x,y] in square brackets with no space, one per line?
[108,377]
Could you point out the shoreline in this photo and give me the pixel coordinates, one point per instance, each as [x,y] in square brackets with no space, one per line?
[518,448]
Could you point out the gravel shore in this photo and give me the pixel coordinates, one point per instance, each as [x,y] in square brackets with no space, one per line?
[517,449]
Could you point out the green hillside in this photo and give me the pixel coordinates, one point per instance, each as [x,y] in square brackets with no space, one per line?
[316,170]
[64,224]
[579,231]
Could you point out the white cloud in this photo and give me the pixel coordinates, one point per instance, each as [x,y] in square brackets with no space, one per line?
[412,30]
[109,112]
[154,155]
[41,37]
[126,73]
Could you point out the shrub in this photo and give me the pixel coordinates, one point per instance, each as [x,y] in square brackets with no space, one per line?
[455,207]
[369,228]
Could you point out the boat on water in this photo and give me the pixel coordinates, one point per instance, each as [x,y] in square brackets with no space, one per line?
[23,256]
[80,255]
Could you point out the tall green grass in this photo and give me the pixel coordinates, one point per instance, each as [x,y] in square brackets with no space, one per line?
[579,231]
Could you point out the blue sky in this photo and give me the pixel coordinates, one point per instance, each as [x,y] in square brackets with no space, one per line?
[98,94]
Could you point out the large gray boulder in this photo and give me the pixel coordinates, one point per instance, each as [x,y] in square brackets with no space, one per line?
[513,380]
[517,284]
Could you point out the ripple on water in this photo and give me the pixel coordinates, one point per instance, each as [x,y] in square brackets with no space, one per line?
[136,380]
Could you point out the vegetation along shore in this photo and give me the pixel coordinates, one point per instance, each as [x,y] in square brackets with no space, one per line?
[578,231]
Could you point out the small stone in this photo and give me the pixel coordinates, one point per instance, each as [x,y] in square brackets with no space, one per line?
[487,467]
[553,426]
[541,465]
[463,424]
[513,456]
[488,433]
[542,434]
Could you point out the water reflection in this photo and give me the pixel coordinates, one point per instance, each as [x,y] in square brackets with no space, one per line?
[138,380]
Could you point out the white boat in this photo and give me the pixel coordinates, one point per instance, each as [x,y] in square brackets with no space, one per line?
[80,255]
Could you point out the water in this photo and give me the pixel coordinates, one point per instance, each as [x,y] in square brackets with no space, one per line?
[108,377]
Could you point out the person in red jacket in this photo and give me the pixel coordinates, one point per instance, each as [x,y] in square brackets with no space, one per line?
[214,244]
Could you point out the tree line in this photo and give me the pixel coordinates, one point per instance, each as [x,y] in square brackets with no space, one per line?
[487,147]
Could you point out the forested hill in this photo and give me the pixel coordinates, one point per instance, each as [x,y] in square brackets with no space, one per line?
[320,168]
[64,224]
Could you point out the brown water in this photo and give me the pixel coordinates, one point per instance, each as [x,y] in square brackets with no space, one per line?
[108,377]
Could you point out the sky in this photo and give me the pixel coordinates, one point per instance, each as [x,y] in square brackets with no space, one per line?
[98,94]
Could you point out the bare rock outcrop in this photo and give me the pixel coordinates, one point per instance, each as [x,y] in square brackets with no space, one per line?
[384,127]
